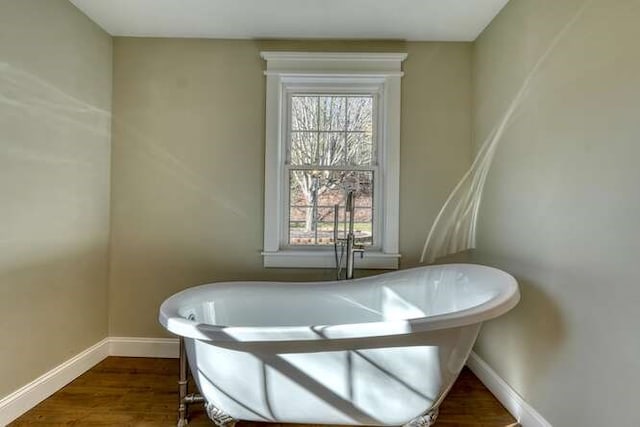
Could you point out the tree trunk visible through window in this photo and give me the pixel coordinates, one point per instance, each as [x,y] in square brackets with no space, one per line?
[331,141]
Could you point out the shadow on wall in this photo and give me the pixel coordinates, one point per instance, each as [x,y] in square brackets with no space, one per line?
[27,95]
[534,330]
[54,172]
[176,170]
[54,223]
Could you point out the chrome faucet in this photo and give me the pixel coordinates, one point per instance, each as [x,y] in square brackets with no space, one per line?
[352,250]
[350,241]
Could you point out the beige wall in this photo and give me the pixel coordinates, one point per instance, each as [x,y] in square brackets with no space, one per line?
[562,206]
[55,96]
[188,162]
[560,210]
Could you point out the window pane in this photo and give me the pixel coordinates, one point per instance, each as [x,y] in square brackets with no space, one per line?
[324,218]
[359,149]
[313,195]
[360,113]
[363,225]
[332,112]
[331,149]
[304,148]
[304,113]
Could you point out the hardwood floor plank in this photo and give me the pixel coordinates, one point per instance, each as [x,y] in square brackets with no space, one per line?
[142,392]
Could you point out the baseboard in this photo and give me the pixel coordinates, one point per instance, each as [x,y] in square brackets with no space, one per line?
[25,398]
[165,348]
[510,399]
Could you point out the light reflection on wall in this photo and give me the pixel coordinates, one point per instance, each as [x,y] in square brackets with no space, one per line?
[454,229]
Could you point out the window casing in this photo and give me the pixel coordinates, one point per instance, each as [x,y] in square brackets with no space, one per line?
[292,77]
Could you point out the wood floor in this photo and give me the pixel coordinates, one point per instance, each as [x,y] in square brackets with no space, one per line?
[142,392]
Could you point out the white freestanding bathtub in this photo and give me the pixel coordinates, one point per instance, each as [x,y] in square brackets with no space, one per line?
[382,350]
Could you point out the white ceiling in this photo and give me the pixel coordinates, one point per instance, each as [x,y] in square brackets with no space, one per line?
[448,20]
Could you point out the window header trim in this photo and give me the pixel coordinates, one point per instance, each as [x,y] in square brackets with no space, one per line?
[322,64]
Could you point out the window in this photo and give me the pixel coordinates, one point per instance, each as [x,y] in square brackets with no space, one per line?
[332,126]
[331,150]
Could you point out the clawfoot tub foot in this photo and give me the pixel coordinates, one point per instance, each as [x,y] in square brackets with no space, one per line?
[219,417]
[426,420]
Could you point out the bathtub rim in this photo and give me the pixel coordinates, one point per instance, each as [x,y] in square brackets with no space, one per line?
[507,298]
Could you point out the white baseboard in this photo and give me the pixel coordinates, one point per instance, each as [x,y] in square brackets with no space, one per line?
[510,399]
[25,398]
[165,348]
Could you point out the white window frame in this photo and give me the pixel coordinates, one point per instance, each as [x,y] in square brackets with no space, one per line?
[330,88]
[376,74]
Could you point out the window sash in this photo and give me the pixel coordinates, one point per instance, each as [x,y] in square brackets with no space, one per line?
[374,207]
[375,115]
[287,167]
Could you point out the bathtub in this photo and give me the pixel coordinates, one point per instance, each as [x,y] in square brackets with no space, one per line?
[382,350]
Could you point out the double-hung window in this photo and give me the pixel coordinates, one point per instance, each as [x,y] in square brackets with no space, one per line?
[330,149]
[332,126]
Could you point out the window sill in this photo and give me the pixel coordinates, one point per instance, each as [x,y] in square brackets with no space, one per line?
[326,259]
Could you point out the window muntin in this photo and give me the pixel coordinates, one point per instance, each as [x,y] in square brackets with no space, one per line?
[330,149]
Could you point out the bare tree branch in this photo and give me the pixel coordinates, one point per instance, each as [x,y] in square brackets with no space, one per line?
[327,131]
